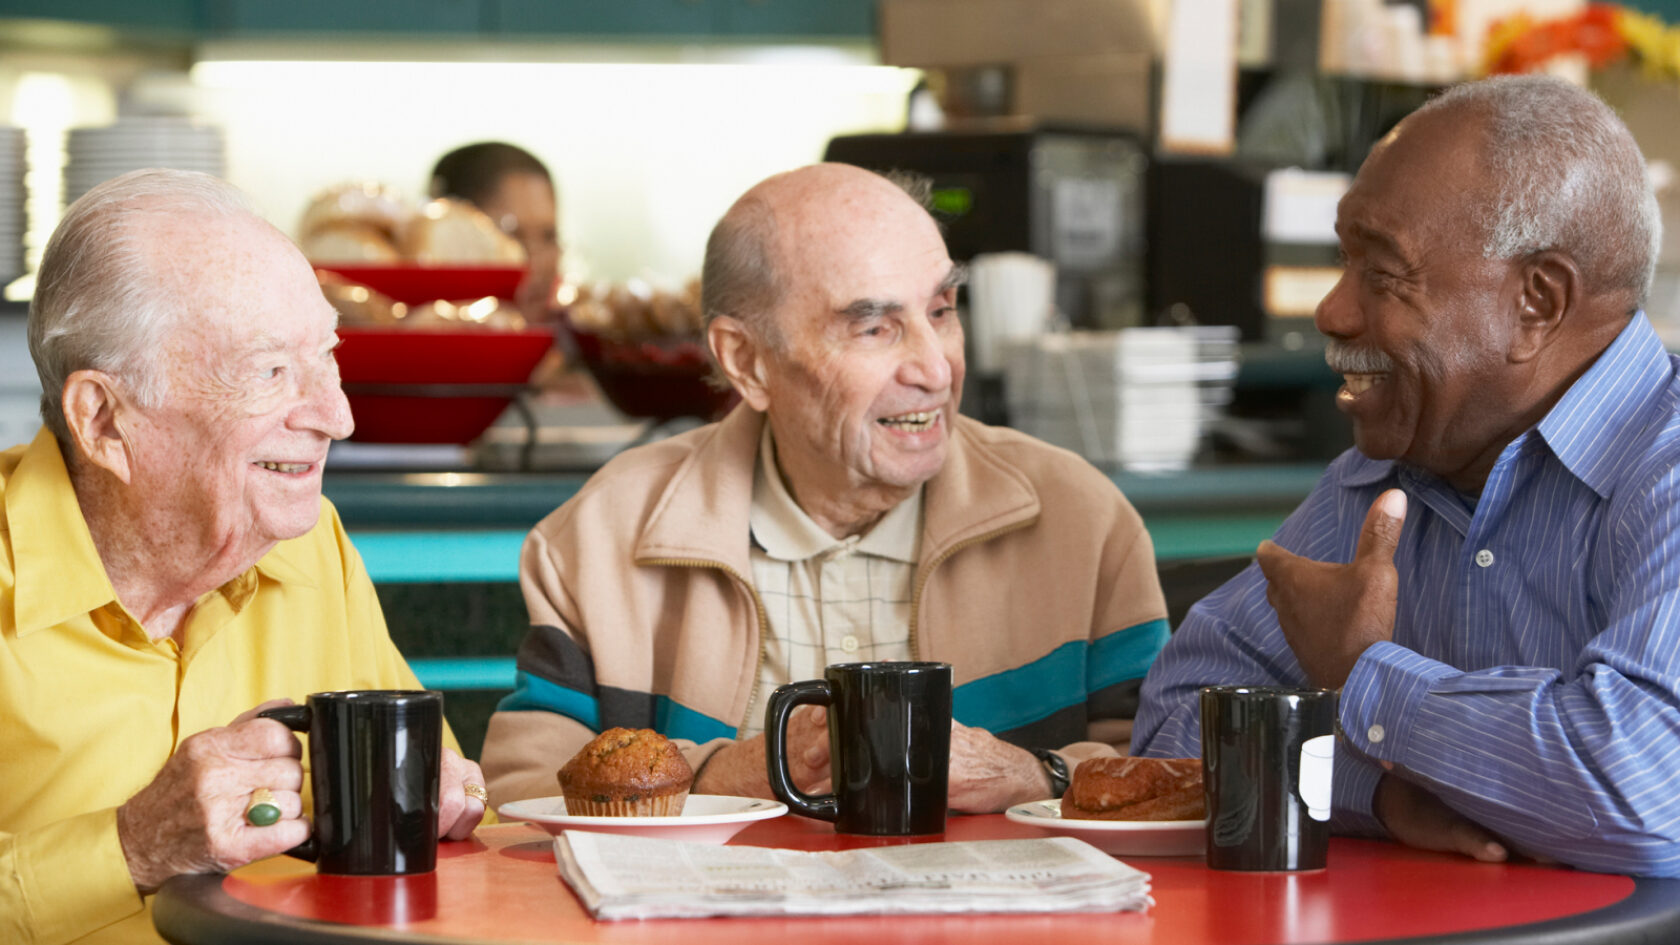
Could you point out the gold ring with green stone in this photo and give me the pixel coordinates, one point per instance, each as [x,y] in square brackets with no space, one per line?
[263,811]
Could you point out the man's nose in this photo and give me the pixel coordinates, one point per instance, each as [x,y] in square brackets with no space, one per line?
[1338,315]
[927,363]
[324,407]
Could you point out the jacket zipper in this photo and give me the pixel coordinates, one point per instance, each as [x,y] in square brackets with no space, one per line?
[922,575]
[758,604]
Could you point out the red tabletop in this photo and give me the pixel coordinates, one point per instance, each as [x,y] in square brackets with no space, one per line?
[502,887]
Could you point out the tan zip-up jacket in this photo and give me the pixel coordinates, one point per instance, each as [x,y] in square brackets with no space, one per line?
[1036,581]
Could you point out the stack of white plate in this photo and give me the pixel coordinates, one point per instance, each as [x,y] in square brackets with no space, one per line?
[12,201]
[1140,398]
[96,155]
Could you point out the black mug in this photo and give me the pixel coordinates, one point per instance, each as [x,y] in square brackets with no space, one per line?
[889,740]
[374,760]
[1267,757]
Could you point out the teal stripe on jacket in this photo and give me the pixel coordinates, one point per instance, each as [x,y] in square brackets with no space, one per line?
[670,718]
[1064,677]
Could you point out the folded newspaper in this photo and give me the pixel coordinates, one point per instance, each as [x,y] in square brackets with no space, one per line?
[629,877]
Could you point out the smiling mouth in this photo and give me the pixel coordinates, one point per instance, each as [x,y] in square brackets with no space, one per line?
[288,468]
[1355,384]
[919,422]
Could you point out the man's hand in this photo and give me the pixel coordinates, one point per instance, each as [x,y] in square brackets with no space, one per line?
[1331,613]
[988,774]
[191,818]
[458,811]
[738,769]
[1419,819]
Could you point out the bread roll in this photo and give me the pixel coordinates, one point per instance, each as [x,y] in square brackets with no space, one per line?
[454,232]
[365,203]
[349,242]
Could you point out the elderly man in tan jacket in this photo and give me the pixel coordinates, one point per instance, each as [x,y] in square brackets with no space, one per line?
[844,512]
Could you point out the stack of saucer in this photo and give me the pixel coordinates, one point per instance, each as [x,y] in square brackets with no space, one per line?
[96,155]
[13,197]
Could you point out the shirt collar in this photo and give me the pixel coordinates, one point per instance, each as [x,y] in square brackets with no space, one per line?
[1583,427]
[1588,428]
[59,574]
[786,533]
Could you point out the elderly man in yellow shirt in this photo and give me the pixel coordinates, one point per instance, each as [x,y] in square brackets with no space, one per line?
[167,561]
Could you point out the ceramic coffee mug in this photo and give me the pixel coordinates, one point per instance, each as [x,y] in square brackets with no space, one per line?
[374,758]
[889,738]
[1267,755]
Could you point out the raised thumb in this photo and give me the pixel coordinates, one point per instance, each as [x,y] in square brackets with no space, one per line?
[1381,534]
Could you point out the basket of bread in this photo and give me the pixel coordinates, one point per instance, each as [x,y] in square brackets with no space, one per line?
[432,348]
[646,350]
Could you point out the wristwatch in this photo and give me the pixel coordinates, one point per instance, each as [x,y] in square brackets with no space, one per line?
[1056,767]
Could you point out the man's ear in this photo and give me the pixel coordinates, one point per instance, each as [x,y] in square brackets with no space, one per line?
[1549,290]
[95,411]
[741,356]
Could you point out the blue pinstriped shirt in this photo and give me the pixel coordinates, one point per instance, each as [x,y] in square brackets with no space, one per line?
[1534,678]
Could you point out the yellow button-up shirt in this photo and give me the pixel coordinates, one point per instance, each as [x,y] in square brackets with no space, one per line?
[91,707]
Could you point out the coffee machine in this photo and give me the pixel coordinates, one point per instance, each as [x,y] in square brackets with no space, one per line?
[1073,197]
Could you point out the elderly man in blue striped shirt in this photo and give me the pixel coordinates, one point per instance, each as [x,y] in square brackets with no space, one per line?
[1492,578]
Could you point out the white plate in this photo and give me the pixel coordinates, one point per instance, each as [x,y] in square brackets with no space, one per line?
[1118,837]
[706,818]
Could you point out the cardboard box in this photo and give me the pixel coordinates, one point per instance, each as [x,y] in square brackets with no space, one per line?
[1112,90]
[937,33]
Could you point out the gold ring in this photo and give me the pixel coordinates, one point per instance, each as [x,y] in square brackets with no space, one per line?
[262,810]
[476,790]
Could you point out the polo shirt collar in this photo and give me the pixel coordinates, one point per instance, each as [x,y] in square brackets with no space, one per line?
[59,574]
[787,533]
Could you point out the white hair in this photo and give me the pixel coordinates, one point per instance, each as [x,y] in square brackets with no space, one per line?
[98,301]
[1567,175]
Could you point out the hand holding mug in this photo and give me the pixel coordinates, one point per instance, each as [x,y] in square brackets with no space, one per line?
[738,768]
[191,817]
[889,733]
[375,764]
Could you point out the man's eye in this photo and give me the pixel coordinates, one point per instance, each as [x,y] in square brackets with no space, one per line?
[272,372]
[944,311]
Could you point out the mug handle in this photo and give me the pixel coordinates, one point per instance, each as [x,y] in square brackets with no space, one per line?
[782,703]
[296,718]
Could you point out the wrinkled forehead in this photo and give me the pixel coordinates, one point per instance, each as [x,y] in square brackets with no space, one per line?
[869,240]
[231,278]
[1425,181]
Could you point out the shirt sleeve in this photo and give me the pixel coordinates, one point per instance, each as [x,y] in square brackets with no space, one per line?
[554,709]
[64,880]
[1232,637]
[1577,765]
[1123,644]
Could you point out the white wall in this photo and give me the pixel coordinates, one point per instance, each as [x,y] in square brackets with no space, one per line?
[645,156]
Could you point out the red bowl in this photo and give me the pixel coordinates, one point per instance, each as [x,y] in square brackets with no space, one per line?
[661,379]
[409,385]
[415,285]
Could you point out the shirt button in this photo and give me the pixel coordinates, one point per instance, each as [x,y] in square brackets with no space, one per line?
[1484,557]
[849,643]
[1375,733]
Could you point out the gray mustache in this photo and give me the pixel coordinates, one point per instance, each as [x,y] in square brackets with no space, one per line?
[1344,358]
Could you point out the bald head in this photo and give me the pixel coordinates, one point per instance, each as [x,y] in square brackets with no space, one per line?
[1561,173]
[765,235]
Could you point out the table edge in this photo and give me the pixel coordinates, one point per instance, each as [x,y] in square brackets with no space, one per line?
[197,910]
